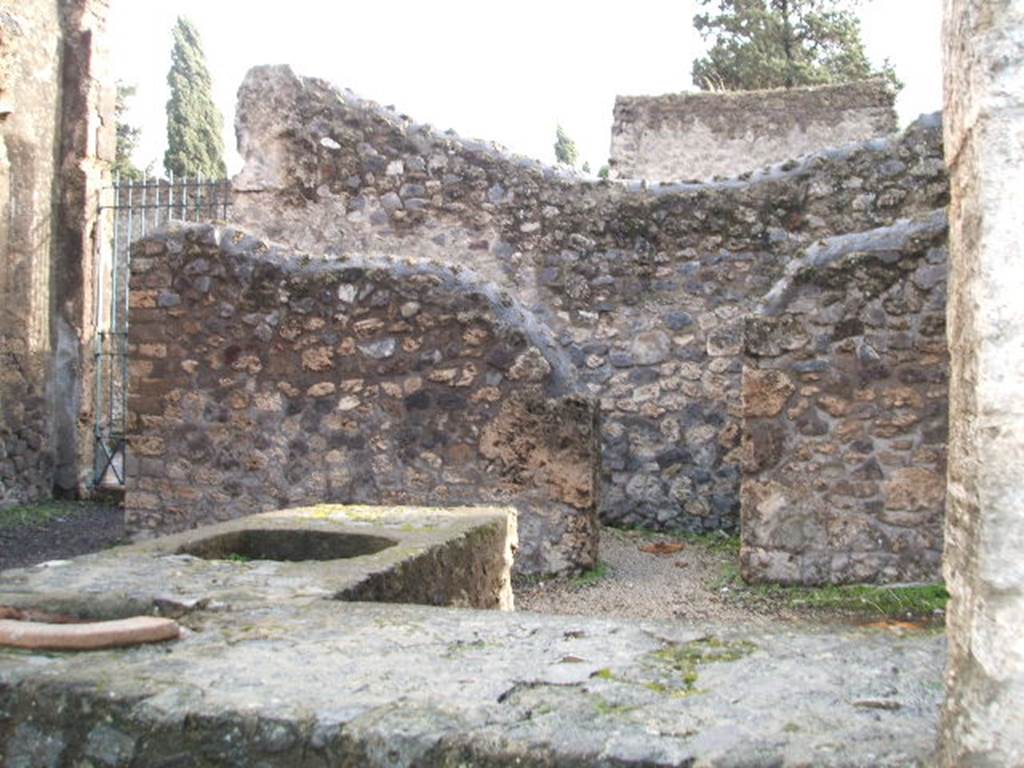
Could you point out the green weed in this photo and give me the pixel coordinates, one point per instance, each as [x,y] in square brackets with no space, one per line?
[593,576]
[39,514]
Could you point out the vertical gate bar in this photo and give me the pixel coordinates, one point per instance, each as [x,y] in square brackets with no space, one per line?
[123,329]
[119,360]
[127,247]
[142,207]
[97,358]
[115,290]
[199,197]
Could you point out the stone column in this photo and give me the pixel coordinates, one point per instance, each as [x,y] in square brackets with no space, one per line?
[87,145]
[984,561]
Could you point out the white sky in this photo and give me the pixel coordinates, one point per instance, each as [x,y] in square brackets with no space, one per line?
[507,72]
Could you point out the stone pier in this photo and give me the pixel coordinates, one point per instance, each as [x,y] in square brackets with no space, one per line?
[984,713]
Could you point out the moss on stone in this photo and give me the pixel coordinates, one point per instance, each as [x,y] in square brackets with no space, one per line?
[604,707]
[686,659]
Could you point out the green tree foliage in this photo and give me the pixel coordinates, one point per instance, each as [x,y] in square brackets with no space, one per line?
[127,136]
[604,172]
[195,141]
[565,148]
[760,44]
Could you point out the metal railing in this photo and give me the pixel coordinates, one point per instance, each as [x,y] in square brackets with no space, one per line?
[127,211]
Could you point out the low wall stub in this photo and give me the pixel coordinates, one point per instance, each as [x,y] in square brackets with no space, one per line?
[845,413]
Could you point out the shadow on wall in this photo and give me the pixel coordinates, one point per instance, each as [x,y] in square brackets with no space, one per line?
[261,379]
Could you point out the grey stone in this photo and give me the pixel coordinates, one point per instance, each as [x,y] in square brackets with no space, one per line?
[650,348]
[110,746]
[379,350]
[391,202]
[168,299]
[678,321]
[31,747]
[621,359]
[646,488]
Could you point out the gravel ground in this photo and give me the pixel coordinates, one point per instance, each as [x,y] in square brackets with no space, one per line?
[61,530]
[689,584]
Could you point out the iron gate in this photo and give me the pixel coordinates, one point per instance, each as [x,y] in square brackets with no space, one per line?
[127,211]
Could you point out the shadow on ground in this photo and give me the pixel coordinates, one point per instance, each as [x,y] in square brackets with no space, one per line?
[57,530]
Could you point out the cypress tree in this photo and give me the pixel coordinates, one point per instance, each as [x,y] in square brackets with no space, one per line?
[127,136]
[195,141]
[565,148]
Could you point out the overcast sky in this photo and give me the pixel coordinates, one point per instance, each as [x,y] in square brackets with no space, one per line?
[507,72]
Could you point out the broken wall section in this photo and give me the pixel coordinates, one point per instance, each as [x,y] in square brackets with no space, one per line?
[702,135]
[845,413]
[261,379]
[645,288]
[56,124]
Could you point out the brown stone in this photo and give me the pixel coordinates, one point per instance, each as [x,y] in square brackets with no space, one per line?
[765,393]
[530,366]
[915,489]
[317,358]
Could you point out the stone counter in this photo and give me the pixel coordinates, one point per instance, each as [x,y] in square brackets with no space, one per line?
[456,556]
[400,686]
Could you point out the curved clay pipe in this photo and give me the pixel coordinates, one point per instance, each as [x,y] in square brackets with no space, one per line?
[36,635]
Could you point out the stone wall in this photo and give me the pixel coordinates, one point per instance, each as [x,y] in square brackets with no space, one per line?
[845,413]
[645,288]
[262,380]
[30,142]
[983,720]
[51,108]
[703,135]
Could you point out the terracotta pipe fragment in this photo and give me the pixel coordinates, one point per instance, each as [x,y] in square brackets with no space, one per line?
[35,635]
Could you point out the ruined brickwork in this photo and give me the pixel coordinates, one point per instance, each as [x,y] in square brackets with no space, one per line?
[262,379]
[703,135]
[983,721]
[845,412]
[52,104]
[645,290]
[29,93]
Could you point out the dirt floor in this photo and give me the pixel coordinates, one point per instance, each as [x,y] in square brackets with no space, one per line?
[57,530]
[660,576]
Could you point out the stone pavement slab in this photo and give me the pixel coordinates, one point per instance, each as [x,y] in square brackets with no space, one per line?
[355,684]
